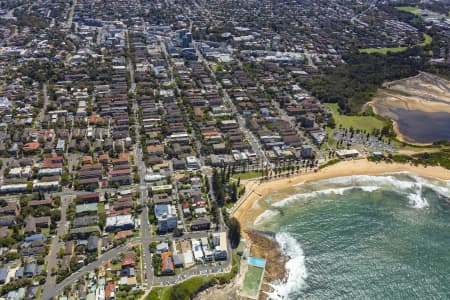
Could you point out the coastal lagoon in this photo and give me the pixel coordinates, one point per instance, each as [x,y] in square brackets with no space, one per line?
[419,105]
[422,127]
[361,237]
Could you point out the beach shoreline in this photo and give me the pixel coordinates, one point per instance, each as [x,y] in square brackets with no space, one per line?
[256,190]
[246,212]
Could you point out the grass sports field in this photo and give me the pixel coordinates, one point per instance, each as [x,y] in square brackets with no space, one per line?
[252,281]
[367,123]
[247,175]
[384,51]
[410,9]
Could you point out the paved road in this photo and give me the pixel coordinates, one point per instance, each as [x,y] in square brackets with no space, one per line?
[198,270]
[212,198]
[10,13]
[145,229]
[253,141]
[55,290]
[12,35]
[294,125]
[56,244]
[356,18]
[146,236]
[70,16]
[44,107]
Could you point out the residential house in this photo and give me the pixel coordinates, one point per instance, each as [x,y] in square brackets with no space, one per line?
[201,224]
[167,264]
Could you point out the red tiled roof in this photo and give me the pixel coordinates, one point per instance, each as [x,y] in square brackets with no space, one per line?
[123,234]
[110,289]
[125,211]
[155,148]
[94,119]
[120,172]
[52,165]
[123,156]
[53,162]
[128,259]
[167,264]
[31,146]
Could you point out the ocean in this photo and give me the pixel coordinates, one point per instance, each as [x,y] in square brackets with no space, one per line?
[362,237]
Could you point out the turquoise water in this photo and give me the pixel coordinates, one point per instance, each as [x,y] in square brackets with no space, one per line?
[369,237]
[255,261]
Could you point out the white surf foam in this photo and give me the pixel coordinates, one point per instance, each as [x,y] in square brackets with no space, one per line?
[295,267]
[266,215]
[417,200]
[284,202]
[389,179]
[411,185]
[356,180]
[368,189]
[336,191]
[440,186]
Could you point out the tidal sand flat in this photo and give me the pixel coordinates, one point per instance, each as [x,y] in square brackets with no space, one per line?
[361,237]
[419,107]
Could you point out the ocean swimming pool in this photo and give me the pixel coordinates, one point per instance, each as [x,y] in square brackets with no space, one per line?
[257,262]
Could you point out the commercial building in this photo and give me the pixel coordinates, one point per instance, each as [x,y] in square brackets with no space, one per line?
[344,153]
[124,222]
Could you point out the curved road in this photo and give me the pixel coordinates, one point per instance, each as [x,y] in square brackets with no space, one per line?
[49,292]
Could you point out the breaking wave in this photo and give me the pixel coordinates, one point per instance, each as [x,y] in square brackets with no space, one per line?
[336,191]
[417,199]
[265,216]
[413,188]
[295,268]
[405,183]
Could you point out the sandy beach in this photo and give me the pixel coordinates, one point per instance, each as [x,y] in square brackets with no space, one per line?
[256,190]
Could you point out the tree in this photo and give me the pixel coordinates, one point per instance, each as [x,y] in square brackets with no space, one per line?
[60,253]
[234,233]
[156,263]
[215,212]
[234,193]
[177,232]
[331,122]
[65,179]
[180,292]
[55,215]
[152,247]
